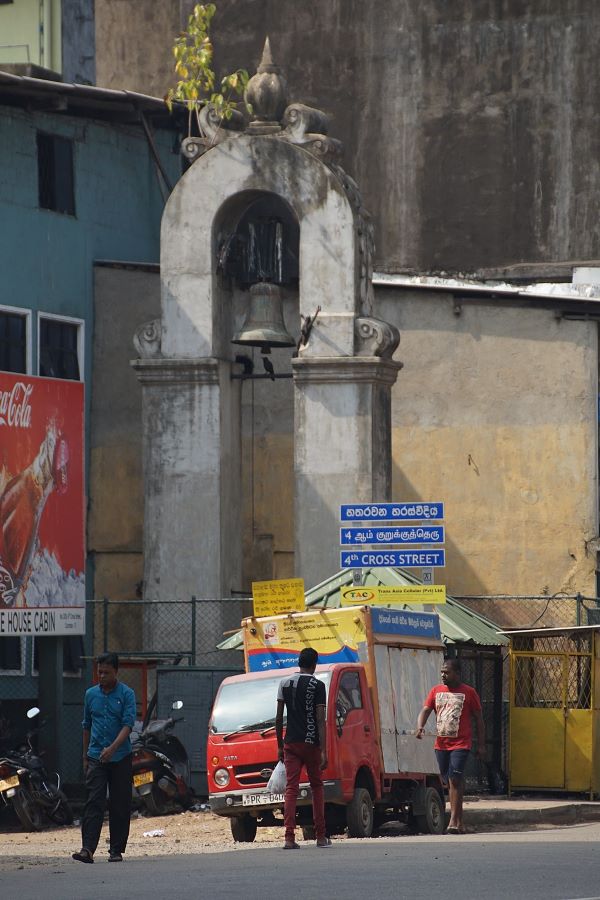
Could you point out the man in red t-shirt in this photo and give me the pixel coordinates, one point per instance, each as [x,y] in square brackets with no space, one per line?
[454,704]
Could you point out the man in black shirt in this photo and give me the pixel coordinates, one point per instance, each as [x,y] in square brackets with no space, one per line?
[303,696]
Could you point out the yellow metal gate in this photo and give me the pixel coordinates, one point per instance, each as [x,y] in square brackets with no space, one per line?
[551,702]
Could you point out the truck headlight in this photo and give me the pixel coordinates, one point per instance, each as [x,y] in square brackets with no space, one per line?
[221,777]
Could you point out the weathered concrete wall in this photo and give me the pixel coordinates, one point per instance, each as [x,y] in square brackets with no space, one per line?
[495,412]
[78,41]
[133,44]
[124,298]
[472,127]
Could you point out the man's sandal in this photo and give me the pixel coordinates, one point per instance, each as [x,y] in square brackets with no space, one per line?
[84,855]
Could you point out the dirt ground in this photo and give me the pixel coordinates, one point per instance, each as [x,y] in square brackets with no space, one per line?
[186,832]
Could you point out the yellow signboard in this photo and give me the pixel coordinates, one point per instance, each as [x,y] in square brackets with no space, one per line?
[402,593]
[274,643]
[272,598]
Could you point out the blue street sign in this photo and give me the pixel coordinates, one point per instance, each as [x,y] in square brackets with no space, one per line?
[392,621]
[408,559]
[391,512]
[392,534]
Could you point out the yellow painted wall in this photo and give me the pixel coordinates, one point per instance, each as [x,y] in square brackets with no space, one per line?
[495,413]
[124,298]
[30,32]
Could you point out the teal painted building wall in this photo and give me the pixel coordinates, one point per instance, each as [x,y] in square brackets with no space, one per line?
[46,260]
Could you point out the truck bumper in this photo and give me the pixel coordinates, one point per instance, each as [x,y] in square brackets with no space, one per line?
[231,803]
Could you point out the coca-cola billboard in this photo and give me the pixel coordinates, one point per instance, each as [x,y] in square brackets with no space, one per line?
[42,507]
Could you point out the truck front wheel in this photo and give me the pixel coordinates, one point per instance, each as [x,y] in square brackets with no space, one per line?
[359,814]
[433,820]
[243,829]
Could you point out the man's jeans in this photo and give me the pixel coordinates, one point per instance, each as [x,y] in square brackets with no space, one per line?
[295,756]
[117,777]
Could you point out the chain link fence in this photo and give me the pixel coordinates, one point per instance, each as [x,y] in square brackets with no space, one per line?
[191,629]
[162,632]
[536,611]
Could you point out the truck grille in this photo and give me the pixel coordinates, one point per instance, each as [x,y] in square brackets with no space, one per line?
[254,774]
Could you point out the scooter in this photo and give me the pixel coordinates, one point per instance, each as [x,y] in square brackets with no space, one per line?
[161,768]
[26,785]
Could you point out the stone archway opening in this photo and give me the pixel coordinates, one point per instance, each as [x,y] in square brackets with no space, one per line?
[256,239]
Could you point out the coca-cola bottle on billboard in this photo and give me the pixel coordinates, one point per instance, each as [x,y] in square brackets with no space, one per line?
[21,506]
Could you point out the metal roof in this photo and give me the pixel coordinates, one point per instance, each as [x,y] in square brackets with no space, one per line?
[81,99]
[571,295]
[457,623]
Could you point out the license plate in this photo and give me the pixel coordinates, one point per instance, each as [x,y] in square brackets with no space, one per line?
[261,799]
[9,783]
[142,778]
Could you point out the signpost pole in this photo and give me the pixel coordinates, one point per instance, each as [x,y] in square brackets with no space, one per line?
[50,699]
[357,577]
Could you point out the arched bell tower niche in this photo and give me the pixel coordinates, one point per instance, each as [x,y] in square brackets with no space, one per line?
[257,246]
[281,162]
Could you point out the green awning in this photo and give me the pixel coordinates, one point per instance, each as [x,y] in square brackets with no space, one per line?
[458,624]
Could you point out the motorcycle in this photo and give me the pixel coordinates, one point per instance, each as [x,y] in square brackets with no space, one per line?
[27,786]
[161,768]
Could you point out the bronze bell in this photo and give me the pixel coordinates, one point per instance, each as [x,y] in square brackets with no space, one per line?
[264,326]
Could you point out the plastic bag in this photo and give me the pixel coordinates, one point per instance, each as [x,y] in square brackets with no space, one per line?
[277,781]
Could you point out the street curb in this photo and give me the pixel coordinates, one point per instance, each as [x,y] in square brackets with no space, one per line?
[563,814]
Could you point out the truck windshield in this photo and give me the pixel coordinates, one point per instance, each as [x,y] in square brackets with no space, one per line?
[249,705]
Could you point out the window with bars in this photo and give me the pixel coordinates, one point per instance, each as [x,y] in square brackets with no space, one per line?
[73,651]
[59,353]
[56,181]
[13,342]
[551,682]
[11,654]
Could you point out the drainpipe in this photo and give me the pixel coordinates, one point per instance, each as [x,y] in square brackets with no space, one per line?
[46,33]
[161,175]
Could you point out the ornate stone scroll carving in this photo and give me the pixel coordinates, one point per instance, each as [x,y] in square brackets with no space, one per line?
[300,120]
[374,337]
[307,127]
[147,340]
[214,130]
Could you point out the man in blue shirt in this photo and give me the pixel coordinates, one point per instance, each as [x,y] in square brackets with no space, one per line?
[108,718]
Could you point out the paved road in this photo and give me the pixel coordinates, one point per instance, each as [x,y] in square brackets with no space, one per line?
[559,864]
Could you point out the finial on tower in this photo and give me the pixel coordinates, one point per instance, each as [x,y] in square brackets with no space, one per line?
[266,92]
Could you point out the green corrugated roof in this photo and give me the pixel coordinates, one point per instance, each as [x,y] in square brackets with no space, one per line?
[458,624]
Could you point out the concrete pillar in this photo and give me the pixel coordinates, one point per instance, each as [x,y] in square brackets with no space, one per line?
[342,450]
[50,700]
[192,479]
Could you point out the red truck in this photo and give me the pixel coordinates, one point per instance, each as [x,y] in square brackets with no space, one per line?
[378,665]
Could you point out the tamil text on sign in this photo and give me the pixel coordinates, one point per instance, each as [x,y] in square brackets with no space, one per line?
[392,534]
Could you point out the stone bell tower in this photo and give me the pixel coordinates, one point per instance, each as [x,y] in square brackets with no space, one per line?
[342,374]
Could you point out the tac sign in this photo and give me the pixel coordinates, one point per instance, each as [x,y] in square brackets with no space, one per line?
[384,594]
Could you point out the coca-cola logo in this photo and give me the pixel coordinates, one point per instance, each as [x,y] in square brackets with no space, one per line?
[15,409]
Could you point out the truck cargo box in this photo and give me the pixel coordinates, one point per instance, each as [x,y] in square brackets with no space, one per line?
[401,651]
